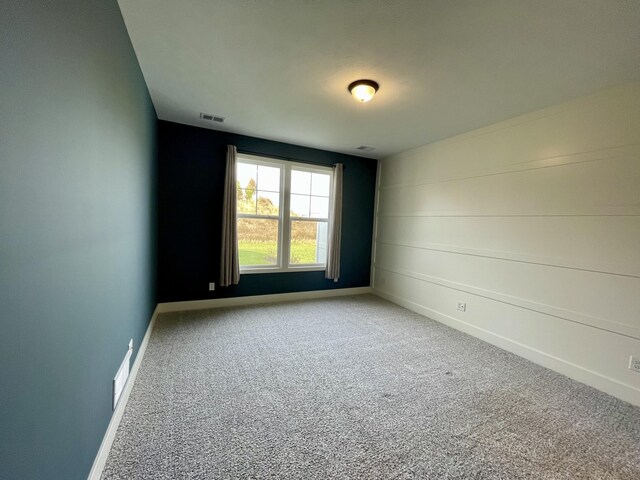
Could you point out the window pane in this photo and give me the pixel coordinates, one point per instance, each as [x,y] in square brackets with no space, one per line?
[300,206]
[308,242]
[300,182]
[246,201]
[246,172]
[257,241]
[268,203]
[268,178]
[320,183]
[319,207]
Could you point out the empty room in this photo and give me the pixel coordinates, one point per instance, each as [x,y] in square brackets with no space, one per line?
[314,240]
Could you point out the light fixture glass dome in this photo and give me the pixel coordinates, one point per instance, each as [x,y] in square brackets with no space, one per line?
[363,90]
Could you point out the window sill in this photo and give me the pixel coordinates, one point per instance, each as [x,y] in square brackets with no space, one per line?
[309,268]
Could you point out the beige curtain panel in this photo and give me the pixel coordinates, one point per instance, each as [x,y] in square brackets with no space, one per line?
[335,226]
[229,262]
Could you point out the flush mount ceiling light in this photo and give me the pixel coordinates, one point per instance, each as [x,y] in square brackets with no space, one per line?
[363,90]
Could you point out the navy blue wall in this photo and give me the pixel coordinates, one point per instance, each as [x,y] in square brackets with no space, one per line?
[190,183]
[77,155]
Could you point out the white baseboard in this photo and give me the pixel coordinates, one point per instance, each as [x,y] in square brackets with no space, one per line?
[107,441]
[605,384]
[257,299]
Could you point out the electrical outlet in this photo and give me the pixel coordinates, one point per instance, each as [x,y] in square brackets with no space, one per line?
[212,286]
[634,363]
[462,306]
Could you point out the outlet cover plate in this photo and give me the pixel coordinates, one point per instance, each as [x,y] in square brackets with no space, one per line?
[462,306]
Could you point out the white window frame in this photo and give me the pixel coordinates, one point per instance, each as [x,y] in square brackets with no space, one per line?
[284,213]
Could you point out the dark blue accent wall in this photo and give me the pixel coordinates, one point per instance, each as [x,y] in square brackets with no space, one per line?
[190,185]
[77,255]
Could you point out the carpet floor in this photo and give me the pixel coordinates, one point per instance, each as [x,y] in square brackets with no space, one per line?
[357,388]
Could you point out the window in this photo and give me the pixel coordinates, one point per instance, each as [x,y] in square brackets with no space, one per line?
[283,215]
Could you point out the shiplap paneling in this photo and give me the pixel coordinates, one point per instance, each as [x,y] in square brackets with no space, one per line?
[603,187]
[581,242]
[535,223]
[563,292]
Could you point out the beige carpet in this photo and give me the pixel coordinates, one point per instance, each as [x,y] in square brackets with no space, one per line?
[357,388]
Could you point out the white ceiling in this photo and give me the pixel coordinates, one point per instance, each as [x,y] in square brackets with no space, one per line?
[279,69]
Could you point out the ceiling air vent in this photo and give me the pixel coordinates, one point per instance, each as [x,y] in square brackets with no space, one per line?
[364,148]
[212,118]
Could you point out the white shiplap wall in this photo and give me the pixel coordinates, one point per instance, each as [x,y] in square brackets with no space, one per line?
[535,223]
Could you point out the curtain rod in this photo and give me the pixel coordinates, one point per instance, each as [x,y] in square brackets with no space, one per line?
[289,159]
